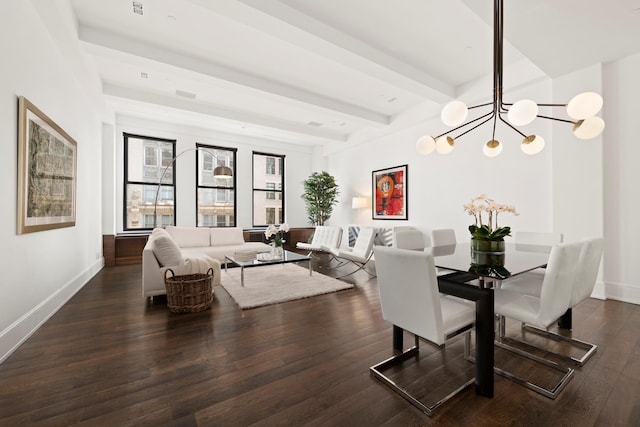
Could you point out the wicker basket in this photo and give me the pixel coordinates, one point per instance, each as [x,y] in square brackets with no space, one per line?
[189,293]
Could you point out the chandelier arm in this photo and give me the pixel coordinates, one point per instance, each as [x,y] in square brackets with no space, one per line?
[476,126]
[557,119]
[164,172]
[511,126]
[480,105]
[464,124]
[552,105]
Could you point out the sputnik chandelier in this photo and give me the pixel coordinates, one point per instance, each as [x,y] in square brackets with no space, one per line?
[582,109]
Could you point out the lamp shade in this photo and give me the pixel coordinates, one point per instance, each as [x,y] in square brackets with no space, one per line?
[584,105]
[222,172]
[444,144]
[425,145]
[533,144]
[588,128]
[454,113]
[492,148]
[359,202]
[522,112]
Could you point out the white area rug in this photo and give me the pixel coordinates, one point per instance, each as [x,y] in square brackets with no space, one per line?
[272,284]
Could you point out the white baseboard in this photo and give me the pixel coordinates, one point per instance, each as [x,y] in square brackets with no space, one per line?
[623,292]
[19,331]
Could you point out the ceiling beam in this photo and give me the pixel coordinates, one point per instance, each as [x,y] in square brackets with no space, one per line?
[292,26]
[236,116]
[223,72]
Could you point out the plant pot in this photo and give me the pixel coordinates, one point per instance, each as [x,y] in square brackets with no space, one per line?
[492,246]
[487,259]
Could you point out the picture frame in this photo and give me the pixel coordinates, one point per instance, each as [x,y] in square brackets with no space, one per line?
[389,193]
[47,172]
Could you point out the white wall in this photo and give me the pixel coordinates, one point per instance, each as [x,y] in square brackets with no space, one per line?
[298,161]
[621,203]
[40,271]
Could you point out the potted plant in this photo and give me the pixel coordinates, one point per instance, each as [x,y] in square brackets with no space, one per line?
[320,194]
[486,235]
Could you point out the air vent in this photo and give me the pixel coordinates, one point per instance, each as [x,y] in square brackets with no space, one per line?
[314,124]
[137,7]
[144,75]
[186,94]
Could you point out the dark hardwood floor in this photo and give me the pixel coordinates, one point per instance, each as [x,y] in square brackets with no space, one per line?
[110,357]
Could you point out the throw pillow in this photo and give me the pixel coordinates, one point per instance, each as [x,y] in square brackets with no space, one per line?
[166,251]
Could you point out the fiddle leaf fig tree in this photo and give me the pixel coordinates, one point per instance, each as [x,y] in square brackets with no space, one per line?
[320,194]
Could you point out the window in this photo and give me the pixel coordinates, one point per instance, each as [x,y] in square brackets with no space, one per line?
[148,160]
[268,189]
[215,196]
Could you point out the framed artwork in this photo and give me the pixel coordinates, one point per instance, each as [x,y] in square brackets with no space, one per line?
[389,189]
[47,158]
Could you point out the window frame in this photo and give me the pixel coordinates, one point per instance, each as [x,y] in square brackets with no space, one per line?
[275,191]
[159,159]
[234,152]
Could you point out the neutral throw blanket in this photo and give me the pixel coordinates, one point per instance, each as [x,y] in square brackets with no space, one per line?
[201,264]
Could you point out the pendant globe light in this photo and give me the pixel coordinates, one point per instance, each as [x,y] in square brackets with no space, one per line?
[582,109]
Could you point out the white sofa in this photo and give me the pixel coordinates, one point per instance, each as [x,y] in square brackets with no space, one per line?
[185,249]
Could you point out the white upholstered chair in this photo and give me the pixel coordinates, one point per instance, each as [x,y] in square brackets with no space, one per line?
[443,237]
[542,310]
[361,252]
[408,238]
[582,286]
[324,239]
[534,238]
[410,300]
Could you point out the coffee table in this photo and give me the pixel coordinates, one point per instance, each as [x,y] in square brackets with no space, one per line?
[265,259]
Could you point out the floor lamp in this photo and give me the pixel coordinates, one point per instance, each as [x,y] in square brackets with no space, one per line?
[218,172]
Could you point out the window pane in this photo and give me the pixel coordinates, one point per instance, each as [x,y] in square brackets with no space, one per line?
[262,204]
[140,206]
[208,163]
[263,174]
[142,160]
[215,207]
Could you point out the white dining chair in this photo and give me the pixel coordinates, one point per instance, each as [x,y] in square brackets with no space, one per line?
[582,287]
[541,311]
[410,300]
[443,237]
[535,238]
[409,238]
[360,254]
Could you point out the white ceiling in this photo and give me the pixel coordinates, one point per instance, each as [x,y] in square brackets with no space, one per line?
[322,72]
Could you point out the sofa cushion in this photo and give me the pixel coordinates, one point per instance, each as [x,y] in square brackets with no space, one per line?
[189,237]
[226,236]
[166,250]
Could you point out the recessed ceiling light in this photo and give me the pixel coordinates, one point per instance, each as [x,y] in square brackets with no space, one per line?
[315,124]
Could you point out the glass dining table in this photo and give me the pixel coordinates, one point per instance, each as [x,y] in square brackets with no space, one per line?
[471,277]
